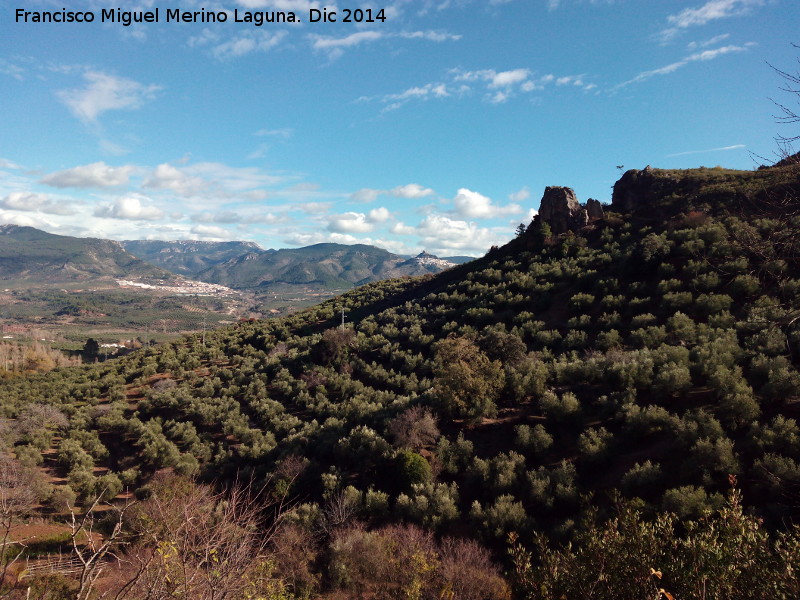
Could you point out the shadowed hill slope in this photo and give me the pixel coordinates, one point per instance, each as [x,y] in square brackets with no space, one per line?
[36,256]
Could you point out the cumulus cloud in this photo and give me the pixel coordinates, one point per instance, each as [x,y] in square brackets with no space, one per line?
[507,78]
[95,175]
[443,235]
[129,207]
[379,215]
[350,222]
[104,92]
[401,228]
[411,191]
[31,202]
[15,218]
[472,205]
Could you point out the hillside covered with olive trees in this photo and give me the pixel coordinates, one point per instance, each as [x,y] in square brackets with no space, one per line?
[635,362]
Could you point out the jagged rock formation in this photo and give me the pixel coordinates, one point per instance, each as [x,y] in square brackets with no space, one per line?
[594,209]
[633,189]
[561,210]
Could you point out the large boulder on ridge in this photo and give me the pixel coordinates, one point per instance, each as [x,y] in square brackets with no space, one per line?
[594,209]
[561,210]
[635,188]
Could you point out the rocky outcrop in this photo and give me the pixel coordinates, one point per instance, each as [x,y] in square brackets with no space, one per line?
[594,209]
[561,210]
[633,189]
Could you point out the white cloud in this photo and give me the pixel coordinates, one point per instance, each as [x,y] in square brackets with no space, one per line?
[366,195]
[104,92]
[444,235]
[350,222]
[705,55]
[710,42]
[211,180]
[710,11]
[335,47]
[520,195]
[248,41]
[31,202]
[723,149]
[400,228]
[167,177]
[318,237]
[7,164]
[284,132]
[498,86]
[268,218]
[507,78]
[95,175]
[211,232]
[129,207]
[431,36]
[15,218]
[12,70]
[312,208]
[220,217]
[379,215]
[411,191]
[472,205]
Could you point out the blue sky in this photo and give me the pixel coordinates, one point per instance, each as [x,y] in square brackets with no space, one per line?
[436,129]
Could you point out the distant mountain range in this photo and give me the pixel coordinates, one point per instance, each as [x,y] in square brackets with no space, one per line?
[188,257]
[29,254]
[32,255]
[330,265]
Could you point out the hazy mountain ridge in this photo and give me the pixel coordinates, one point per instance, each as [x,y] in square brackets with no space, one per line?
[33,255]
[189,257]
[246,265]
[331,265]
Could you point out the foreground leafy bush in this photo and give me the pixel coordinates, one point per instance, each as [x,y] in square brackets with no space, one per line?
[727,554]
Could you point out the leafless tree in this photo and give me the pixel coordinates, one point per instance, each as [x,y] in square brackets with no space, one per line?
[414,428]
[17,499]
[194,542]
[787,114]
[91,550]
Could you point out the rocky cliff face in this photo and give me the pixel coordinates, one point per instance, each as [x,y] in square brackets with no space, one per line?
[633,189]
[561,210]
[594,209]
